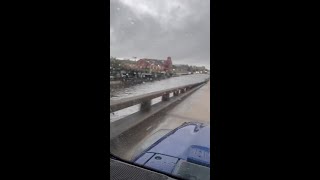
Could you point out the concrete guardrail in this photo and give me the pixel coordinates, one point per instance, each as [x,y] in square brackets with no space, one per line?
[146,110]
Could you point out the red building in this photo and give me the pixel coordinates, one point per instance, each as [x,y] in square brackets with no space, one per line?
[168,64]
[155,65]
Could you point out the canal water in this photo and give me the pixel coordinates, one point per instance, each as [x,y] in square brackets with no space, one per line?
[149,87]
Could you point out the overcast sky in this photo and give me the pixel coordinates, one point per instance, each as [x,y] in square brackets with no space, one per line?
[160,28]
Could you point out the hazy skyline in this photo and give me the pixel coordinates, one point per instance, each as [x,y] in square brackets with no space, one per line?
[160,28]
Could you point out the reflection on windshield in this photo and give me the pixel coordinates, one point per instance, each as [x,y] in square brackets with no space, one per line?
[160,85]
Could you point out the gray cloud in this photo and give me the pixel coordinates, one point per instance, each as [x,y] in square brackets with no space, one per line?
[161,28]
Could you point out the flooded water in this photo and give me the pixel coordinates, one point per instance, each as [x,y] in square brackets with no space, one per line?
[149,87]
[194,108]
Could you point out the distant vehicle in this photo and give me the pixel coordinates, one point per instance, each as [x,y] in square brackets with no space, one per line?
[183,152]
[147,75]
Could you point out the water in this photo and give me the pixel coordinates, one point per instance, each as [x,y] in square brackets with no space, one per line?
[149,87]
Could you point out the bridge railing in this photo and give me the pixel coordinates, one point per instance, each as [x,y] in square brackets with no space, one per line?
[145,99]
[125,124]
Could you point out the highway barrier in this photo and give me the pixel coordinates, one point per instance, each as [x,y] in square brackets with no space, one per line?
[146,109]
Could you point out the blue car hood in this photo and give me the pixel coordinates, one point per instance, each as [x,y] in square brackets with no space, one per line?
[178,142]
[189,142]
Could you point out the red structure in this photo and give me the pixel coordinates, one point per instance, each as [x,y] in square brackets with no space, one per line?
[143,64]
[155,65]
[168,65]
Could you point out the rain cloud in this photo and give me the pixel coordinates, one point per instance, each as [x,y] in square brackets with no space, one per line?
[160,28]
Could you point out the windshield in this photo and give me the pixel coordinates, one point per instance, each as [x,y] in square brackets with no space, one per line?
[160,85]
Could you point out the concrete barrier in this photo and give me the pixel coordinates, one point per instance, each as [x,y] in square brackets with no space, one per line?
[125,124]
[116,105]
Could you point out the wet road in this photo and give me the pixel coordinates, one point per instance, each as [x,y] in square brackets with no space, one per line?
[195,108]
[151,87]
[157,86]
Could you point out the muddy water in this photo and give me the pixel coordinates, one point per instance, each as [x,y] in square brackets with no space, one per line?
[150,87]
[195,108]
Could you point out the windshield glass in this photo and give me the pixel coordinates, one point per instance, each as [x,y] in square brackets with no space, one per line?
[160,85]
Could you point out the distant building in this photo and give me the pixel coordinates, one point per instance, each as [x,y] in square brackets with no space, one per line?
[155,64]
[168,64]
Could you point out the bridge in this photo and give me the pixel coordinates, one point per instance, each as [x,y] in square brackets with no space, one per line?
[129,135]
